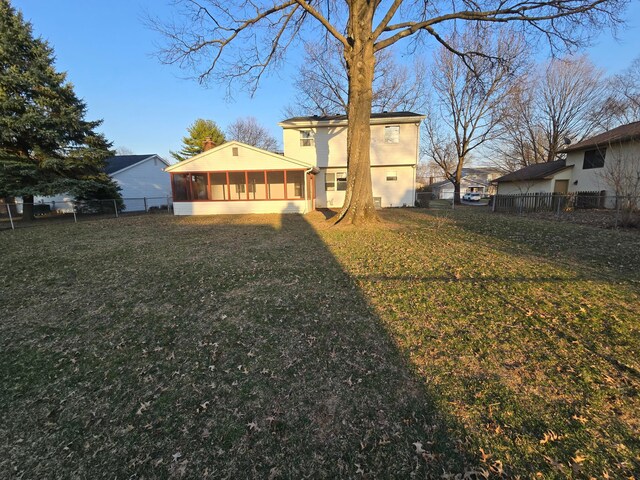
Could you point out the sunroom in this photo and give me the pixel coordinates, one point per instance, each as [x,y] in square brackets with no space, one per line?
[235,178]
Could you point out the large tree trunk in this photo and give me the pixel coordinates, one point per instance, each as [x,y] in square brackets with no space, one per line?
[456,193]
[27,208]
[358,205]
[458,181]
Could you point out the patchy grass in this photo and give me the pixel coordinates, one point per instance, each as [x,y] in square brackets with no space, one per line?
[436,344]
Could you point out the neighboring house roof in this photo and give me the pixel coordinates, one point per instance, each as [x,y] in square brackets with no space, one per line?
[479,170]
[120,162]
[244,145]
[623,133]
[538,171]
[342,119]
[439,184]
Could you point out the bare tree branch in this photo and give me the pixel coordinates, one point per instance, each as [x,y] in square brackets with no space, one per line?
[468,103]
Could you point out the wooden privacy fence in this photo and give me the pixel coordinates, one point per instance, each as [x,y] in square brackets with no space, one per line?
[549,202]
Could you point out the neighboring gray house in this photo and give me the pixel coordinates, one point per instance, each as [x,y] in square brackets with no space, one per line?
[142,180]
[140,177]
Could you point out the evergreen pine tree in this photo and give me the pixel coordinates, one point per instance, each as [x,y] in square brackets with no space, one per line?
[199,131]
[46,145]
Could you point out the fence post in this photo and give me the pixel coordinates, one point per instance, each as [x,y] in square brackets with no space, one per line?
[169,205]
[145,204]
[75,209]
[10,217]
[115,207]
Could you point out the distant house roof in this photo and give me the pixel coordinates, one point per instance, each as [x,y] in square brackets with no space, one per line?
[538,171]
[343,118]
[623,133]
[120,162]
[439,184]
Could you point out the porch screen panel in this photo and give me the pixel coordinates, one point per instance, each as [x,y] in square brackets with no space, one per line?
[257,188]
[180,187]
[199,186]
[218,186]
[238,186]
[275,185]
[295,184]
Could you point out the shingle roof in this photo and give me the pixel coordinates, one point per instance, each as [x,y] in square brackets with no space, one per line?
[120,162]
[623,133]
[537,171]
[328,118]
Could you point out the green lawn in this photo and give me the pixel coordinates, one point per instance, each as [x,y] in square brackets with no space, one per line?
[437,344]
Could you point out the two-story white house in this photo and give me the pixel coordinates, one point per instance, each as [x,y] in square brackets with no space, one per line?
[312,173]
[322,142]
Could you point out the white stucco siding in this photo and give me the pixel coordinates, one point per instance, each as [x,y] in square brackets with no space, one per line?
[329,145]
[521,188]
[405,152]
[394,193]
[535,186]
[328,199]
[223,159]
[595,179]
[144,180]
[329,148]
[241,207]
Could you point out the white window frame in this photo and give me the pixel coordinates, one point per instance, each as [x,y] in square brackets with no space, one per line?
[341,181]
[307,138]
[329,182]
[392,134]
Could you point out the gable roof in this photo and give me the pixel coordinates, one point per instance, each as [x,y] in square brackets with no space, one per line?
[342,119]
[538,171]
[232,143]
[623,133]
[120,162]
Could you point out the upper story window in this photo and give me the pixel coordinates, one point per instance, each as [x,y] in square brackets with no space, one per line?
[594,158]
[341,181]
[306,138]
[392,134]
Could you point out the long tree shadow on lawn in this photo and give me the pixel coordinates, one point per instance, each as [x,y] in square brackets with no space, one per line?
[230,349]
[606,252]
[549,347]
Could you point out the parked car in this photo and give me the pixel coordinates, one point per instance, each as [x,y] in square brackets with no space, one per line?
[472,196]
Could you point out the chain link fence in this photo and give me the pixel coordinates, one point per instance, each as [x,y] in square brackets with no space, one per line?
[20,214]
[596,208]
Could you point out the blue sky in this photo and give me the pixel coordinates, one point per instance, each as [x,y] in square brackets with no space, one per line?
[108,55]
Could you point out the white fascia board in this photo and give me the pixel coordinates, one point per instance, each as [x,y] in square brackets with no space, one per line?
[344,123]
[138,163]
[232,143]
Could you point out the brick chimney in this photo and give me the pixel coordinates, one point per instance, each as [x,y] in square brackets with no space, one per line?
[208,144]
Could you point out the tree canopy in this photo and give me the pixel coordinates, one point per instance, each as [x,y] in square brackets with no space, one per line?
[46,145]
[198,132]
[231,40]
[322,85]
[560,101]
[248,130]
